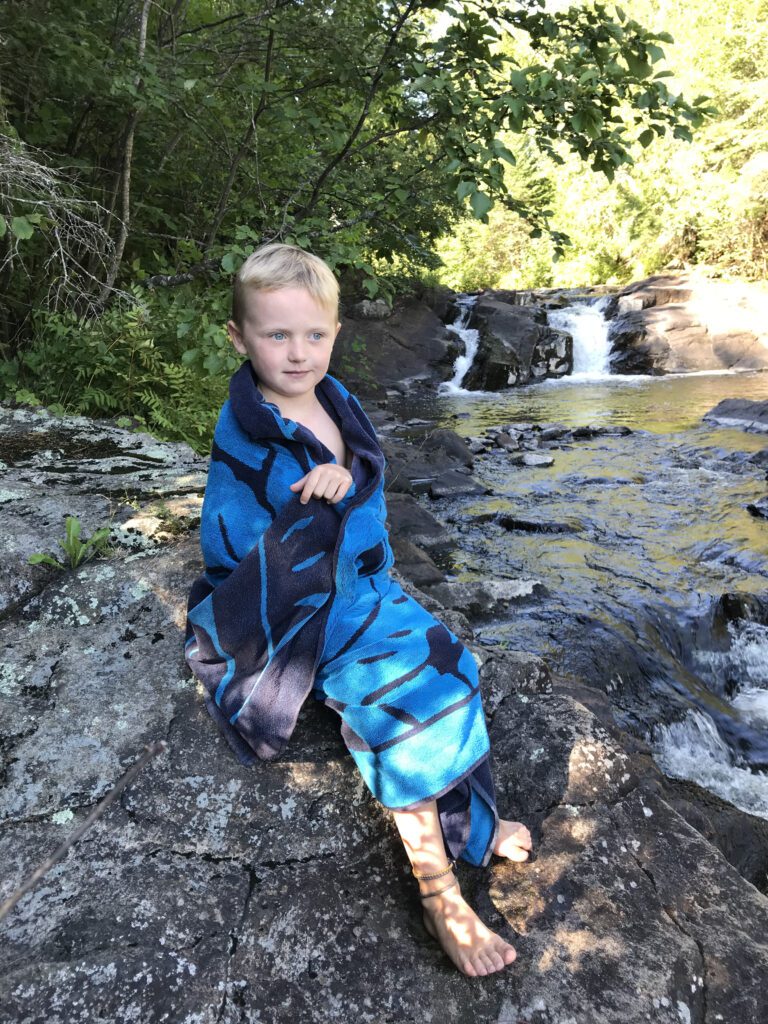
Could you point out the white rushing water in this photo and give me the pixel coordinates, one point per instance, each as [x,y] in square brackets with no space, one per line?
[692,748]
[469,336]
[589,329]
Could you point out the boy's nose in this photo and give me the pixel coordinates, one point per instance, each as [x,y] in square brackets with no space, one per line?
[297,352]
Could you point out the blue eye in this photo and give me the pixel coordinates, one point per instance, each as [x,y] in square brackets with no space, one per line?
[317,336]
[277,335]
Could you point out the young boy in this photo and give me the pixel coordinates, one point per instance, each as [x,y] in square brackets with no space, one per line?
[297,597]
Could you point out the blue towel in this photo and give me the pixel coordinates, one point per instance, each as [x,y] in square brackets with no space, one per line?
[298,598]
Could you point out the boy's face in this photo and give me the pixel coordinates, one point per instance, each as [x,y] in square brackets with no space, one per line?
[288,338]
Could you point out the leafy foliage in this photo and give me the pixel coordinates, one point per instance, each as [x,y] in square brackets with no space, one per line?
[77,549]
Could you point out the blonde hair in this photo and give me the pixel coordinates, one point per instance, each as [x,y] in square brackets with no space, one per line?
[277,265]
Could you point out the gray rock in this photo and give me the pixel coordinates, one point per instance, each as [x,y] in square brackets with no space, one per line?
[371,309]
[408,519]
[759,508]
[453,483]
[414,563]
[69,465]
[532,459]
[740,412]
[370,356]
[516,346]
[482,598]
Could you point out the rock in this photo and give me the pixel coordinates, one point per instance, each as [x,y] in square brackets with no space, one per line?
[414,563]
[759,508]
[532,459]
[482,598]
[510,522]
[415,469]
[515,346]
[507,441]
[210,891]
[742,413]
[370,356]
[553,433]
[759,458]
[453,483]
[407,518]
[504,672]
[667,324]
[453,619]
[477,445]
[58,466]
[371,309]
[451,443]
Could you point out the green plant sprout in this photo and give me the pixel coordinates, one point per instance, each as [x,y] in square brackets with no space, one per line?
[77,549]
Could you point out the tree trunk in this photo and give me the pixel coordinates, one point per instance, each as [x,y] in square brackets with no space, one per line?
[130,133]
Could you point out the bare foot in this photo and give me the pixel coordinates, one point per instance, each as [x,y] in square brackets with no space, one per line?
[473,948]
[514,840]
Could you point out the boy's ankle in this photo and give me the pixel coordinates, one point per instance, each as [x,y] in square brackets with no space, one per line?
[433,890]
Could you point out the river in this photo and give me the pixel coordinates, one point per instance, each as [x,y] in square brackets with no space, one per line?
[640,542]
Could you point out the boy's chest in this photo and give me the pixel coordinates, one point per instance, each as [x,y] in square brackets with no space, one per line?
[325,430]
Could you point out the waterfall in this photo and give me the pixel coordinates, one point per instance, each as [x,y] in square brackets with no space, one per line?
[589,330]
[469,336]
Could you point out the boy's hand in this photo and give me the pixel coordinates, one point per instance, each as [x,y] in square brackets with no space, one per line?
[329,481]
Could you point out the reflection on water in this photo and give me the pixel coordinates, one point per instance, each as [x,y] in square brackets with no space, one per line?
[656,531]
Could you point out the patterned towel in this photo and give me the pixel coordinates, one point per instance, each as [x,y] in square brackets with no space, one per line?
[261,616]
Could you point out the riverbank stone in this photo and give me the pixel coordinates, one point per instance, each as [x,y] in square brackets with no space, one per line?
[740,412]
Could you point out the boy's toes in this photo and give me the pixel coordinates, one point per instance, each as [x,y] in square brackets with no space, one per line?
[496,959]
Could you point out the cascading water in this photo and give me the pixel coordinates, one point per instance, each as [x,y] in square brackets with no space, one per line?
[589,329]
[469,336]
[583,321]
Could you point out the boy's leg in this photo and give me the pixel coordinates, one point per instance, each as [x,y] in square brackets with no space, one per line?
[408,694]
[473,947]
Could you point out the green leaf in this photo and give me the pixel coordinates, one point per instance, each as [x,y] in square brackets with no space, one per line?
[72,533]
[621,15]
[646,138]
[230,261]
[3,226]
[22,228]
[503,152]
[656,52]
[44,560]
[189,83]
[481,203]
[638,66]
[465,189]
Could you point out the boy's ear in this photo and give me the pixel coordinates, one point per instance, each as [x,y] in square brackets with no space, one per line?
[236,337]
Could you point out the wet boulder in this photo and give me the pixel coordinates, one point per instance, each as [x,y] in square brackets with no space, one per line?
[740,412]
[516,346]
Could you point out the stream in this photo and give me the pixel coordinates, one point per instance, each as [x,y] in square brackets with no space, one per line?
[651,577]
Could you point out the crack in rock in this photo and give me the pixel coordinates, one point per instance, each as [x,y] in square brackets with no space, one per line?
[669,913]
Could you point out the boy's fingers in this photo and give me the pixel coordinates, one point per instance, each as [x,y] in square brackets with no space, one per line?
[296,483]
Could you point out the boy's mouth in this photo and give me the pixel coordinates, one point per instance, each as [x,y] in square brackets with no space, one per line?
[296,373]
